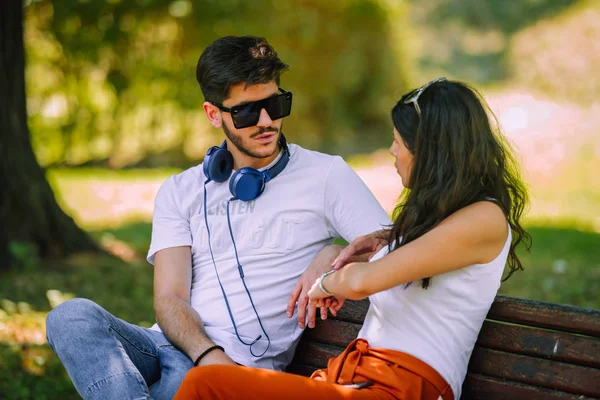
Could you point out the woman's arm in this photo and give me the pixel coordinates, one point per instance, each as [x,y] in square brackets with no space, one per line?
[473,235]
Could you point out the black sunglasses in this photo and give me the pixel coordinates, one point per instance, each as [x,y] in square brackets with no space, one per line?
[248,114]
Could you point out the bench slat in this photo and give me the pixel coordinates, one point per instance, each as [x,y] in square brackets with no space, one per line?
[354,311]
[536,371]
[526,350]
[560,317]
[332,331]
[315,354]
[484,387]
[534,342]
[512,370]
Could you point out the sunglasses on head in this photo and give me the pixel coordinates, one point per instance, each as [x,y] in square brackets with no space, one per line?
[248,114]
[414,95]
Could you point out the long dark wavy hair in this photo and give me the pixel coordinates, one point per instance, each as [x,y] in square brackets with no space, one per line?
[460,157]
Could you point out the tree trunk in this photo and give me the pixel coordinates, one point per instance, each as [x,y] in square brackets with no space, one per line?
[28,210]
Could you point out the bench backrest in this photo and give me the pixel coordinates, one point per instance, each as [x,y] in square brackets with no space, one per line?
[526,350]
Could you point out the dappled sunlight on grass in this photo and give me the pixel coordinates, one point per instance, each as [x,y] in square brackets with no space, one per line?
[28,367]
[136,235]
[100,198]
[33,372]
[20,324]
[25,357]
[118,248]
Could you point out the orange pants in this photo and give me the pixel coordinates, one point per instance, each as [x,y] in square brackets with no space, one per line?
[394,375]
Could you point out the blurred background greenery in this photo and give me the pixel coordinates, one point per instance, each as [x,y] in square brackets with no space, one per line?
[114,108]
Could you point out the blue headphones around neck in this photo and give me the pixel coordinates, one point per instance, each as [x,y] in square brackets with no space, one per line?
[247,183]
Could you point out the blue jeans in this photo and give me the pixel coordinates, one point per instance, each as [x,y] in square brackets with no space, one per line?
[108,358]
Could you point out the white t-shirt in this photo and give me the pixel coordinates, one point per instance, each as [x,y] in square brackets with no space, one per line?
[438,325]
[316,198]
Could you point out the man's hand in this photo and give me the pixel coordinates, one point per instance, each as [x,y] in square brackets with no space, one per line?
[319,265]
[318,298]
[216,357]
[361,248]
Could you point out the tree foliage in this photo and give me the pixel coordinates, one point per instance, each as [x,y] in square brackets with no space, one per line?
[114,81]
[472,39]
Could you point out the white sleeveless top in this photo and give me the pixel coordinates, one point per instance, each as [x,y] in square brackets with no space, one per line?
[438,325]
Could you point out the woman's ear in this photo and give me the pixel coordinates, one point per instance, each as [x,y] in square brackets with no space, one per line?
[213,114]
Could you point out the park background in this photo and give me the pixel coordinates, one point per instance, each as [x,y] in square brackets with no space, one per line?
[113,109]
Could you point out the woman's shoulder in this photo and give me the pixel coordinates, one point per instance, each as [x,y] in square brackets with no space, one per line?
[487,207]
[485,223]
[483,215]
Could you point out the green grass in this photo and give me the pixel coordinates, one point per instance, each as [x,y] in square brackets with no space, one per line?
[563,266]
[32,370]
[100,198]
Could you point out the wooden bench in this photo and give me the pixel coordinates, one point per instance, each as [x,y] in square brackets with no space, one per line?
[526,350]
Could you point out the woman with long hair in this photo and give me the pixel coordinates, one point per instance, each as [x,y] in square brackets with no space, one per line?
[434,274]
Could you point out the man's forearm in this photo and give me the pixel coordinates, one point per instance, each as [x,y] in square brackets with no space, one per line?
[182,325]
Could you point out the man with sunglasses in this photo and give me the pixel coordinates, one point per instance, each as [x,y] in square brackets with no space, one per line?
[224,268]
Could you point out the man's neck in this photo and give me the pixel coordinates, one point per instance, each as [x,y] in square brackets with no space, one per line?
[242,160]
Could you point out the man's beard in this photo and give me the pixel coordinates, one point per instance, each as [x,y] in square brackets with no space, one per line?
[239,142]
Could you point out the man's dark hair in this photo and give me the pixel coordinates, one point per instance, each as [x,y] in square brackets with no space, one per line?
[235,59]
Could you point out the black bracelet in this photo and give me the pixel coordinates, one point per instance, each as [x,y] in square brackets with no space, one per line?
[206,352]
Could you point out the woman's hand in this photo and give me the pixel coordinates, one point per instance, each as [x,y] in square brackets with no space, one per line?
[318,298]
[365,245]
